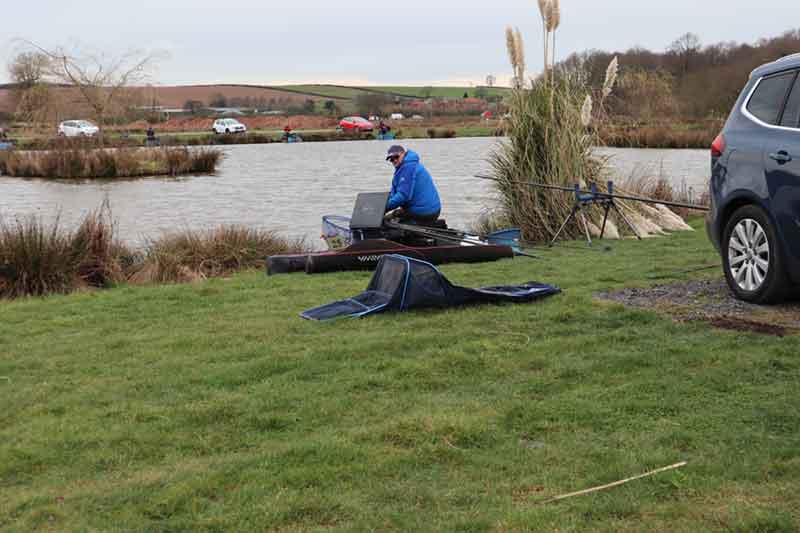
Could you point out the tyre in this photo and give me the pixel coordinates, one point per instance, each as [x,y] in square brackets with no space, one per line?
[227,131]
[752,257]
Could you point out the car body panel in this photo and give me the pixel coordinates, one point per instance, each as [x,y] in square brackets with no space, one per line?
[228,125]
[77,128]
[747,172]
[356,124]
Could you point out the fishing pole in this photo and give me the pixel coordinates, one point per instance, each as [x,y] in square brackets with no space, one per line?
[435,234]
[598,193]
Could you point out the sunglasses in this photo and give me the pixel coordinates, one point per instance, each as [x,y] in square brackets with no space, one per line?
[393,158]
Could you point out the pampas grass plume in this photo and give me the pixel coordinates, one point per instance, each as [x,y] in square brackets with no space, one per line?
[553,15]
[519,44]
[511,46]
[544,8]
[586,111]
[611,77]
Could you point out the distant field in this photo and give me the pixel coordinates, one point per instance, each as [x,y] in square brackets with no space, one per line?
[441,92]
[332,91]
[176,96]
[337,91]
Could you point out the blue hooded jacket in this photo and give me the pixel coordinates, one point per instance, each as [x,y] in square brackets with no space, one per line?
[413,188]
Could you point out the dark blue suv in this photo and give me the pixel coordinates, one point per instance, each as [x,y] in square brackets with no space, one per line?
[755,185]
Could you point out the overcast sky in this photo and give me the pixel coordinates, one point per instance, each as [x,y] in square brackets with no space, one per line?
[370,42]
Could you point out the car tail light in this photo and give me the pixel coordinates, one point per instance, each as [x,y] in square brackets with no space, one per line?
[718,146]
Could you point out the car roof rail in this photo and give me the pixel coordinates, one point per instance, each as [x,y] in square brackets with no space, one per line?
[779,60]
[790,56]
[787,57]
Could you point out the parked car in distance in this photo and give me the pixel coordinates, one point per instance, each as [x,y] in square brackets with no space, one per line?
[77,128]
[397,116]
[754,219]
[228,125]
[358,124]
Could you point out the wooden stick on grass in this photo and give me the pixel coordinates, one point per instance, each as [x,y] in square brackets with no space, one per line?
[610,485]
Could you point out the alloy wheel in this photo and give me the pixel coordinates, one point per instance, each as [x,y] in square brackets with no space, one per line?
[748,255]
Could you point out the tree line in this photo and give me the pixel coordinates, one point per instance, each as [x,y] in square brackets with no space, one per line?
[687,81]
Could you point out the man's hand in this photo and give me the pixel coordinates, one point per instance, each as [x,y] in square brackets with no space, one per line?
[394,213]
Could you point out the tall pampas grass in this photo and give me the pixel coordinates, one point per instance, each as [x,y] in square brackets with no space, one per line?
[550,142]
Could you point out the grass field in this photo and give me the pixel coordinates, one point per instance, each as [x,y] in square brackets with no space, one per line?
[335,91]
[441,92]
[332,91]
[213,407]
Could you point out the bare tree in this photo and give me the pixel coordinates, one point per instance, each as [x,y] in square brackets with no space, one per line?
[685,47]
[31,95]
[105,84]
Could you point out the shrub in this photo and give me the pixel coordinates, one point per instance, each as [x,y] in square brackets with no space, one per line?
[435,133]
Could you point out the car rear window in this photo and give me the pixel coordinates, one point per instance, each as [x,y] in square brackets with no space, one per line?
[791,115]
[768,99]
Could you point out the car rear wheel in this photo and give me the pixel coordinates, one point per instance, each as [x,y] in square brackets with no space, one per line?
[752,258]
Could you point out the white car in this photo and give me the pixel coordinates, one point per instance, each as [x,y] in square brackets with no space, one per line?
[77,128]
[228,125]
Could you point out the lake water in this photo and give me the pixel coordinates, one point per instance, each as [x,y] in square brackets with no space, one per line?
[288,187]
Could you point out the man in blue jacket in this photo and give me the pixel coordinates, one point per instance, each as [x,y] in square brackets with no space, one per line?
[413,190]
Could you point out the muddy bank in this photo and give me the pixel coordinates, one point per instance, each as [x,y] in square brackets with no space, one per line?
[710,300]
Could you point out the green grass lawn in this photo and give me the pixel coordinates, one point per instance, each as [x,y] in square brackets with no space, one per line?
[213,406]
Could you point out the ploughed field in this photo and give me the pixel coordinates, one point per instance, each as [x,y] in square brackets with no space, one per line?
[214,406]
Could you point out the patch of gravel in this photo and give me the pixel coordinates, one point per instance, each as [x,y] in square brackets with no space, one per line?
[710,300]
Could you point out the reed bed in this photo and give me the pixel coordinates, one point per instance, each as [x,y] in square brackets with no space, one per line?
[656,137]
[83,163]
[38,259]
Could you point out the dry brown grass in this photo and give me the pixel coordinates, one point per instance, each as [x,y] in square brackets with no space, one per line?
[38,258]
[656,137]
[192,255]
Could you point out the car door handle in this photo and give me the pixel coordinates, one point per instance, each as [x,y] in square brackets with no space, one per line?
[781,157]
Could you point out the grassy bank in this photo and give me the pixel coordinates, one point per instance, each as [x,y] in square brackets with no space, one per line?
[202,138]
[71,161]
[212,406]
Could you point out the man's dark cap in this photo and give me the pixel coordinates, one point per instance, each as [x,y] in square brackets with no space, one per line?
[395,150]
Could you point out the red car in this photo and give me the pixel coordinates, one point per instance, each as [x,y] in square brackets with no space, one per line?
[358,124]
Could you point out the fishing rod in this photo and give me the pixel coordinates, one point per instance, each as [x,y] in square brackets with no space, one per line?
[435,234]
[577,190]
